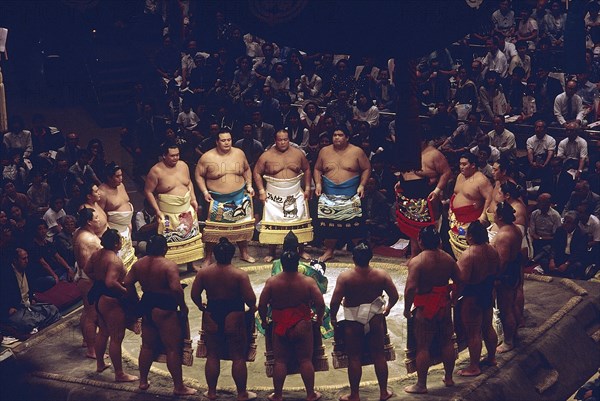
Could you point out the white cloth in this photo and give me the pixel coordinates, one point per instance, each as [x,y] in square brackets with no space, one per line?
[591,228]
[362,313]
[285,200]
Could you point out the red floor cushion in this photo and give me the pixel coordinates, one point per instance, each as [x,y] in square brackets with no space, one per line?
[62,295]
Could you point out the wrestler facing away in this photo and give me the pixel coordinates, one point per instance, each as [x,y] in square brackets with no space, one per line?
[339,162]
[224,169]
[228,289]
[170,176]
[427,288]
[436,171]
[107,270]
[85,243]
[92,199]
[282,161]
[478,266]
[291,294]
[359,286]
[508,244]
[472,188]
[161,324]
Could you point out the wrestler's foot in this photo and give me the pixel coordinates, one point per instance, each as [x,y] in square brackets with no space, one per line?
[348,397]
[305,256]
[211,396]
[125,377]
[314,396]
[469,372]
[246,396]
[184,391]
[248,259]
[488,362]
[274,397]
[504,347]
[144,386]
[268,259]
[93,355]
[415,389]
[326,256]
[102,368]
[386,395]
[448,382]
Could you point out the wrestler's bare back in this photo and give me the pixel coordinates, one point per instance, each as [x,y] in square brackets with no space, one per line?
[114,199]
[431,268]
[170,180]
[471,190]
[156,274]
[433,165]
[85,243]
[477,262]
[508,243]
[102,262]
[222,172]
[288,290]
[340,165]
[288,164]
[224,282]
[363,285]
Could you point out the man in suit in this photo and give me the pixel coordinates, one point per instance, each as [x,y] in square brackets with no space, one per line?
[568,248]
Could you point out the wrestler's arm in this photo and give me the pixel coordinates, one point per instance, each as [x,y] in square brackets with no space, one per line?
[336,298]
[113,271]
[199,174]
[175,285]
[318,173]
[443,170]
[305,166]
[247,174]
[248,294]
[365,168]
[485,189]
[88,269]
[197,290]
[263,302]
[259,169]
[465,267]
[392,293]
[149,188]
[102,201]
[317,299]
[411,287]
[193,201]
[129,282]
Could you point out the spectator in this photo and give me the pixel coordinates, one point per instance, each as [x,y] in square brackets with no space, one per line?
[297,133]
[342,79]
[15,169]
[202,78]
[505,47]
[593,177]
[495,60]
[278,80]
[386,181]
[365,110]
[483,164]
[269,106]
[539,12]
[483,142]
[244,79]
[442,123]
[39,193]
[187,120]
[18,137]
[312,119]
[167,60]
[568,248]
[251,147]
[19,222]
[540,150]
[503,19]
[326,70]
[588,93]
[521,59]
[590,226]
[340,109]
[464,136]
[466,96]
[503,139]
[553,24]
[263,66]
[568,106]
[12,197]
[546,91]
[97,159]
[64,239]
[491,97]
[573,149]
[295,68]
[516,91]
[60,179]
[582,193]
[44,139]
[82,171]
[70,151]
[527,28]
[311,85]
[543,223]
[560,185]
[53,215]
[263,132]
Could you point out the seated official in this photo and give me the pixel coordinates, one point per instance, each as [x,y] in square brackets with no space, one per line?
[568,248]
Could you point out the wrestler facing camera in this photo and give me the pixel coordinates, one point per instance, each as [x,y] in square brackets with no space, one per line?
[161,323]
[106,269]
[508,244]
[224,169]
[338,163]
[362,289]
[478,265]
[291,295]
[282,161]
[427,288]
[170,176]
[228,290]
[429,182]
[85,243]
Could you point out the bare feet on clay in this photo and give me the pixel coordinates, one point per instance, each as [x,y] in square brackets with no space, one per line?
[415,389]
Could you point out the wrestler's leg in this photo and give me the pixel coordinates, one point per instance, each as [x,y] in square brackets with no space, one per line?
[471,315]
[490,337]
[303,254]
[506,305]
[88,318]
[150,344]
[244,255]
[272,249]
[212,369]
[115,322]
[424,333]
[170,331]
[302,336]
[329,248]
[100,342]
[447,347]
[353,339]
[208,259]
[376,346]
[520,302]
[280,354]
[235,330]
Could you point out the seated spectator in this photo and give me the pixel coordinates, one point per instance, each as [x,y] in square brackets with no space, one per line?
[593,177]
[81,169]
[342,79]
[223,65]
[503,139]
[278,80]
[15,169]
[73,200]
[516,90]
[45,139]
[433,84]
[365,110]
[492,100]
[553,24]
[340,109]
[202,78]
[174,104]
[60,178]
[269,106]
[71,149]
[312,119]
[263,66]
[298,134]
[296,67]
[167,60]
[582,193]
[543,223]
[20,314]
[365,74]
[527,28]
[568,106]
[568,248]
[546,90]
[588,92]
[64,239]
[187,120]
[505,47]
[12,197]
[540,150]
[483,164]
[244,79]
[97,158]
[463,138]
[483,141]
[187,61]
[560,185]
[466,97]
[285,108]
[311,85]
[495,60]
[573,149]
[53,215]
[251,147]
[18,137]
[39,193]
[476,74]
[146,225]
[442,123]
[326,69]
[263,131]
[47,266]
[19,222]
[503,19]
[590,225]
